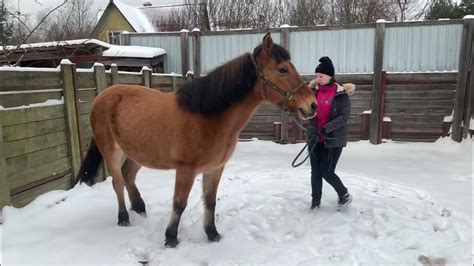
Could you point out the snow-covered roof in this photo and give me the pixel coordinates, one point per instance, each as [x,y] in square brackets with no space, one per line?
[139,21]
[133,51]
[109,49]
[58,43]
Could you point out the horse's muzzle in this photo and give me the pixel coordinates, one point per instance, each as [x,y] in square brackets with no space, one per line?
[306,115]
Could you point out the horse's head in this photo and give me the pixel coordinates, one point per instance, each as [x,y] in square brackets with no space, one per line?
[282,84]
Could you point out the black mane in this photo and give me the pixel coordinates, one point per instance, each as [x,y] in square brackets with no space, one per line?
[226,85]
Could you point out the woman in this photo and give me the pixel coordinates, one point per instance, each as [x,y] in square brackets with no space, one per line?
[330,124]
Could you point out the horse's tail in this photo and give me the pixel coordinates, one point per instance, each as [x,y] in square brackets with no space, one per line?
[90,165]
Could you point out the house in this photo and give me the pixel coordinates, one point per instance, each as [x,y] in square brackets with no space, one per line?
[84,53]
[118,17]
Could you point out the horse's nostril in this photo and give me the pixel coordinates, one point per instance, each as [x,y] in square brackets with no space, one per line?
[313,107]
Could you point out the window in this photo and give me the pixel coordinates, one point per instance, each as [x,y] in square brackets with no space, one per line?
[113,37]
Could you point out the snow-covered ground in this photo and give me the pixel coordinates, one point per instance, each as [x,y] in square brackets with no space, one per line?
[410,200]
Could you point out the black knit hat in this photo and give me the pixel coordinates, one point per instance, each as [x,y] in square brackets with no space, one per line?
[325,66]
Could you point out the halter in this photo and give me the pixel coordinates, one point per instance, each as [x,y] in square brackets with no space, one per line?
[288,96]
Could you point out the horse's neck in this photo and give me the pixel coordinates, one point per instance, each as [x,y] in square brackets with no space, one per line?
[238,115]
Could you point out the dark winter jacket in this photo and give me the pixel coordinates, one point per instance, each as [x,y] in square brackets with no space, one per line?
[338,115]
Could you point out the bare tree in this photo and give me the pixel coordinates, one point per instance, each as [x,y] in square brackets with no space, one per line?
[361,11]
[305,12]
[410,9]
[74,21]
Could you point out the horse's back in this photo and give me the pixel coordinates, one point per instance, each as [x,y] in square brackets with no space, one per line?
[136,118]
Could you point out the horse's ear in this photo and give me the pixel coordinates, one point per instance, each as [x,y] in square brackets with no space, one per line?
[267,43]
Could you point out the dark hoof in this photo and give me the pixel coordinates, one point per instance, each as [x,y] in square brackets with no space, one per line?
[123,223]
[171,242]
[214,237]
[123,219]
[139,208]
[141,213]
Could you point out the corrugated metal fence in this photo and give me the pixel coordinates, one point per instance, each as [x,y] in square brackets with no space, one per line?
[426,46]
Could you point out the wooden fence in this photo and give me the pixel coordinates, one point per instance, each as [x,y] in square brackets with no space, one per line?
[42,145]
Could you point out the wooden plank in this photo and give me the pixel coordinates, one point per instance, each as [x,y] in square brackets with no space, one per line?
[23,146]
[417,119]
[38,182]
[87,143]
[160,81]
[377,84]
[420,94]
[85,107]
[430,78]
[417,110]
[35,173]
[4,186]
[12,100]
[100,78]
[196,53]
[434,129]
[29,80]
[175,83]
[85,120]
[130,78]
[87,132]
[416,104]
[146,77]
[87,95]
[73,126]
[184,52]
[418,88]
[264,118]
[40,157]
[85,80]
[23,198]
[33,129]
[27,115]
[114,74]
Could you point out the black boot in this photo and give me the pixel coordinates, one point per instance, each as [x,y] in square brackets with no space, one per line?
[315,203]
[344,200]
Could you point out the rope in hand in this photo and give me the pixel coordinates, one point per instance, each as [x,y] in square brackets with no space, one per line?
[313,134]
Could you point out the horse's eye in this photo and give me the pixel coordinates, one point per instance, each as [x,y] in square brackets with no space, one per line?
[283,70]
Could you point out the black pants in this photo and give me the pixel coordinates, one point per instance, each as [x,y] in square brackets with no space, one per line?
[323,165]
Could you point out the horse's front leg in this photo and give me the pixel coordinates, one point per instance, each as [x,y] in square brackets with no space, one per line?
[210,182]
[183,184]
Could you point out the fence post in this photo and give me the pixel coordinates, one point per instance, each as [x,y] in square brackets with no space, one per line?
[72,109]
[100,79]
[461,106]
[184,52]
[146,76]
[114,74]
[284,37]
[376,116]
[174,81]
[196,33]
[4,188]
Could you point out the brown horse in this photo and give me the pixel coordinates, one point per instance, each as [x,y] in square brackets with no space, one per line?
[194,130]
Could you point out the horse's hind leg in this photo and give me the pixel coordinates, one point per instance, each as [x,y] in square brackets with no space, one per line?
[210,182]
[183,184]
[113,163]
[129,172]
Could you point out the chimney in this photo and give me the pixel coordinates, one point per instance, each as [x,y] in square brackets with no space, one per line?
[146,3]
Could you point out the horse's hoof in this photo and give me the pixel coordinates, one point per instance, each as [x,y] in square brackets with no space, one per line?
[141,213]
[171,242]
[124,223]
[214,237]
[123,219]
